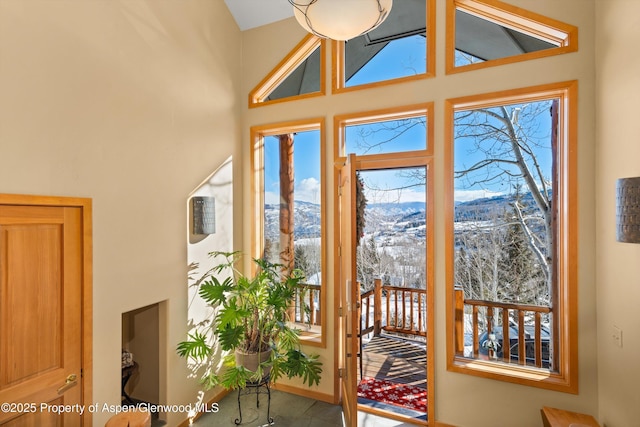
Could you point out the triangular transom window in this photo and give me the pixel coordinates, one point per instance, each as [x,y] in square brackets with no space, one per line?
[300,74]
[482,33]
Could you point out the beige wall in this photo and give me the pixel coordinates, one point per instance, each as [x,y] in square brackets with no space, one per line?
[461,400]
[618,154]
[132,103]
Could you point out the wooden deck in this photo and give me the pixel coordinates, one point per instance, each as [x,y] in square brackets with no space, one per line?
[395,359]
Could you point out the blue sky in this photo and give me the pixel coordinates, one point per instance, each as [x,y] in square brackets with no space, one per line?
[306,160]
[399,58]
[390,184]
[537,130]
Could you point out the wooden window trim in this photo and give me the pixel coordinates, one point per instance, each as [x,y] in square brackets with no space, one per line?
[566,379]
[338,84]
[340,122]
[258,96]
[565,36]
[258,133]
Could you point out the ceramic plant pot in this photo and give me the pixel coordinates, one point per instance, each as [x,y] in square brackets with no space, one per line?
[250,361]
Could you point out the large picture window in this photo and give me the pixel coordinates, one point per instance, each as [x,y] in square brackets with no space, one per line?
[289,206]
[512,235]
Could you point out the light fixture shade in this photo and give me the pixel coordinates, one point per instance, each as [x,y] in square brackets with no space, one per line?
[628,210]
[204,215]
[340,19]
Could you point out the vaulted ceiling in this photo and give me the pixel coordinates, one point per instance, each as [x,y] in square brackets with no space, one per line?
[254,13]
[474,36]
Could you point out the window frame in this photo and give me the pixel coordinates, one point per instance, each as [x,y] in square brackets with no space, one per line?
[338,84]
[342,121]
[506,15]
[258,133]
[566,377]
[257,97]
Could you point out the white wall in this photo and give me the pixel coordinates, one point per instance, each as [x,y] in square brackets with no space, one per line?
[219,186]
[132,103]
[618,154]
[461,400]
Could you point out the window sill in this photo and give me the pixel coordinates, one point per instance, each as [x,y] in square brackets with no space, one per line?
[523,375]
[311,335]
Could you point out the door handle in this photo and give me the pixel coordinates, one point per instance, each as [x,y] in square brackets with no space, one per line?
[71,381]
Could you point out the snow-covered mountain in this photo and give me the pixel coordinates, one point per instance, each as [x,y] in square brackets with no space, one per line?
[385,219]
[389,220]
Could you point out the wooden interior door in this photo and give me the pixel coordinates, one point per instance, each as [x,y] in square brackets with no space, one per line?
[348,294]
[41,274]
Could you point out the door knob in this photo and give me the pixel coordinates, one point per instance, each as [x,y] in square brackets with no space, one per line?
[71,381]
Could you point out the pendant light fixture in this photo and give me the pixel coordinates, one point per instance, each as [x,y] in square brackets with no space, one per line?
[340,19]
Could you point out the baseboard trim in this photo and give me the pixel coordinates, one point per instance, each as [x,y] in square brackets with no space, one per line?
[327,398]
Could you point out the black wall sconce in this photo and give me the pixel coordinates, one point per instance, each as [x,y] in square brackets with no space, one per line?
[628,210]
[204,215]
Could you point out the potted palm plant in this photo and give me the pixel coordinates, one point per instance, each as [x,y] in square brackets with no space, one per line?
[250,322]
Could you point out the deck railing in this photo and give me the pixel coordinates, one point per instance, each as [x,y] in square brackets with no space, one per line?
[505,320]
[405,310]
[307,304]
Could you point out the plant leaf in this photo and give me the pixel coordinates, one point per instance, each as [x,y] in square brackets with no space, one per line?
[195,347]
[288,338]
[209,380]
[299,364]
[313,369]
[231,314]
[230,337]
[213,292]
[235,377]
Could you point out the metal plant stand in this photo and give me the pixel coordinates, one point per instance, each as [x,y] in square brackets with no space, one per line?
[261,387]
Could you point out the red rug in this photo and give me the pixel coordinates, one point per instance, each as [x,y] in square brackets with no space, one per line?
[397,394]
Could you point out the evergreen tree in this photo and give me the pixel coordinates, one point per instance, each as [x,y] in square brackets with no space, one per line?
[301,260]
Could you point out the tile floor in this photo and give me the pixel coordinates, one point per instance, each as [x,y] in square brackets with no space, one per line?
[287,410]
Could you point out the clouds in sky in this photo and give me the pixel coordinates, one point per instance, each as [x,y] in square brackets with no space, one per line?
[307,190]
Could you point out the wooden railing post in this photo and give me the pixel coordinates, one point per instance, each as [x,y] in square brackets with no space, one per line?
[514,316]
[459,318]
[377,307]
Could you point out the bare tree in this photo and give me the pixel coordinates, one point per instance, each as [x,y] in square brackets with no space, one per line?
[506,147]
[478,258]
[493,261]
[375,137]
[504,144]
[367,263]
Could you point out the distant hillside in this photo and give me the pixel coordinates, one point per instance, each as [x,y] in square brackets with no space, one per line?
[385,220]
[306,220]
[487,208]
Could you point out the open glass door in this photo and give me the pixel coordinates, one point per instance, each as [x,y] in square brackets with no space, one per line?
[348,294]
